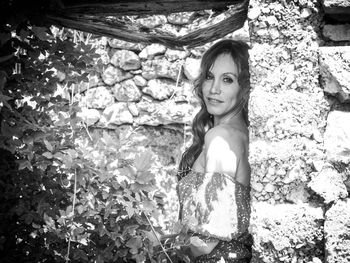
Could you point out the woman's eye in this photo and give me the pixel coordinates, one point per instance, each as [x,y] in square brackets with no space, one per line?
[228,80]
[209,76]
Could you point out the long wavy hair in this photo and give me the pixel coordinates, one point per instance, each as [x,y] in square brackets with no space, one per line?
[203,121]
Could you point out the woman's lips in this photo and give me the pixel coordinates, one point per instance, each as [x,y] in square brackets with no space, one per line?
[213,100]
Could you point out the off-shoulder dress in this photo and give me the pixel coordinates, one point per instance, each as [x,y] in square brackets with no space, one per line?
[214,205]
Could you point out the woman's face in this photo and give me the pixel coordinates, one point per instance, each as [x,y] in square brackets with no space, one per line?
[221,88]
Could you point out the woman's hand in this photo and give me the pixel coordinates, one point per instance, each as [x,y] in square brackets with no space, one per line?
[203,248]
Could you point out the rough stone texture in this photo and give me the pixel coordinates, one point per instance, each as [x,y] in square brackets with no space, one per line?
[281,169]
[115,114]
[160,68]
[287,112]
[284,114]
[126,91]
[286,233]
[99,98]
[152,50]
[151,21]
[182,18]
[337,136]
[329,184]
[120,44]
[337,32]
[337,229]
[89,116]
[166,112]
[159,89]
[140,81]
[133,109]
[112,75]
[191,68]
[335,68]
[126,60]
[173,55]
[337,9]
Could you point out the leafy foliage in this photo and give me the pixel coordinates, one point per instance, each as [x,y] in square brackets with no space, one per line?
[65,198]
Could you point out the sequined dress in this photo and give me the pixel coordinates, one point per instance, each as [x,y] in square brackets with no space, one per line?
[214,205]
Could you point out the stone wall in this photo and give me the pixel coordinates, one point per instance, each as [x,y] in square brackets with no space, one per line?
[300,132]
[300,121]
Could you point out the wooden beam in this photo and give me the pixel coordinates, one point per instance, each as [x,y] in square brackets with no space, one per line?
[218,27]
[132,7]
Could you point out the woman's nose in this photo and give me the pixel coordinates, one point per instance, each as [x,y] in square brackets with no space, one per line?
[215,87]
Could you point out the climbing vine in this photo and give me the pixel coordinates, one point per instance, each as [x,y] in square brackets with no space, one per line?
[69,195]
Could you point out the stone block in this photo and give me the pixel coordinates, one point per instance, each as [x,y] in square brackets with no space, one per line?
[116,114]
[286,233]
[329,185]
[126,91]
[140,81]
[126,60]
[151,21]
[337,136]
[181,18]
[334,69]
[152,50]
[281,169]
[121,44]
[337,229]
[98,98]
[160,68]
[173,55]
[284,114]
[337,9]
[337,32]
[159,89]
[89,116]
[165,112]
[112,75]
[191,68]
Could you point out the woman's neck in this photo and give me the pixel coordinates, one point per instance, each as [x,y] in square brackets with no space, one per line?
[230,119]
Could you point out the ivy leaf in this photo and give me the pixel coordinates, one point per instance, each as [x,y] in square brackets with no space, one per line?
[100,259]
[192,221]
[130,210]
[196,241]
[80,254]
[148,206]
[152,237]
[134,244]
[23,34]
[177,227]
[49,221]
[144,177]
[4,99]
[4,37]
[48,145]
[41,33]
[143,161]
[140,258]
[48,155]
[22,164]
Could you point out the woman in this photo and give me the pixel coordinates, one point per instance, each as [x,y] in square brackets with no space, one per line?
[214,173]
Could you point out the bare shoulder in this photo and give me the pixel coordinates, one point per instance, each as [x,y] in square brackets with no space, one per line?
[236,139]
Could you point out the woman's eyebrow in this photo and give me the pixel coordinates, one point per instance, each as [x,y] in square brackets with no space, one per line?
[231,73]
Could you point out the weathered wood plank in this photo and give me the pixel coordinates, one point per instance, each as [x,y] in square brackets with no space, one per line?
[150,7]
[218,27]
